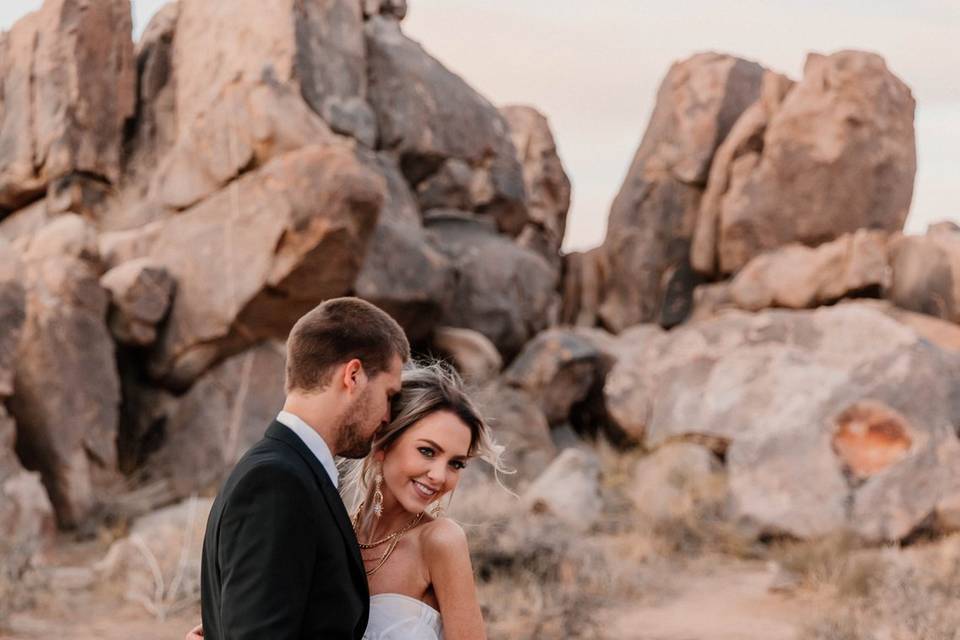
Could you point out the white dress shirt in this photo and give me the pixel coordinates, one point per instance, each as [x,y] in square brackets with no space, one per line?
[314,442]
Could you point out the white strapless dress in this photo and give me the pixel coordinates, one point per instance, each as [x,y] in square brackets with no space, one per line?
[398,617]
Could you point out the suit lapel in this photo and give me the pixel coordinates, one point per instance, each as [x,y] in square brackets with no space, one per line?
[281,432]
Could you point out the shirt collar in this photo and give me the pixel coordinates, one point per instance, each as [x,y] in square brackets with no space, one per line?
[318,447]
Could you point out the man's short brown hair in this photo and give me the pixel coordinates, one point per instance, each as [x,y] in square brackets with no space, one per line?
[336,331]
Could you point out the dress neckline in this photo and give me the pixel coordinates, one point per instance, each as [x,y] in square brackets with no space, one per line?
[404,597]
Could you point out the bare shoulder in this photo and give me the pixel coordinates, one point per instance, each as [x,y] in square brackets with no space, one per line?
[444,536]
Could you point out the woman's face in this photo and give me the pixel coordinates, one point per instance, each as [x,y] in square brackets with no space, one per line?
[425,462]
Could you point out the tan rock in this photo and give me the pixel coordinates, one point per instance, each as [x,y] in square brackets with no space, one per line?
[316,48]
[926,274]
[164,546]
[140,294]
[569,490]
[710,300]
[402,272]
[832,420]
[453,146]
[738,150]
[521,428]
[836,156]
[66,390]
[224,413]
[26,517]
[472,354]
[155,128]
[68,87]
[257,255]
[653,216]
[390,8]
[12,314]
[505,292]
[582,287]
[798,277]
[247,125]
[545,181]
[558,368]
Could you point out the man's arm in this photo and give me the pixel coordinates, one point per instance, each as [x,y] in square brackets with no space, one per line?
[267,550]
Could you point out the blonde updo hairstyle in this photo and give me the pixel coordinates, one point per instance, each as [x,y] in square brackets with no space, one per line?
[425,389]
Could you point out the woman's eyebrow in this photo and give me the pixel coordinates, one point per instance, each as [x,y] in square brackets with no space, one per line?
[439,448]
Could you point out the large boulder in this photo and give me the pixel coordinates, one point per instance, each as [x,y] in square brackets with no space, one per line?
[247,125]
[453,145]
[838,154]
[504,291]
[839,419]
[66,391]
[67,79]
[736,154]
[154,129]
[559,368]
[652,219]
[315,47]
[545,181]
[472,354]
[799,277]
[569,490]
[520,428]
[402,272]
[26,517]
[225,412]
[926,273]
[254,257]
[140,294]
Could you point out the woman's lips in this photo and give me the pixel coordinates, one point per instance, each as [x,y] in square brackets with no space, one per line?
[423,490]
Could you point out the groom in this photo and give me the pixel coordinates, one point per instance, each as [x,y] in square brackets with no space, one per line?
[280,559]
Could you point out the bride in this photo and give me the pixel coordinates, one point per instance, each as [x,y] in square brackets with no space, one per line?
[417,561]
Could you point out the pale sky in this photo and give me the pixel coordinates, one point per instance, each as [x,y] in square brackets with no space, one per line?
[594,68]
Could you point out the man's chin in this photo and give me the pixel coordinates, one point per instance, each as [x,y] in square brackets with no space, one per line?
[356,451]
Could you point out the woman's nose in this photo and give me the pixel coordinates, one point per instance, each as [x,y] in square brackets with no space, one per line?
[437,473]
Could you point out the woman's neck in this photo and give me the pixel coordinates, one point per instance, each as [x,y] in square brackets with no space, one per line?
[393,518]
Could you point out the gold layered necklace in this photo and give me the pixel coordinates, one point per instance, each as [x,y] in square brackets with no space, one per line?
[391,540]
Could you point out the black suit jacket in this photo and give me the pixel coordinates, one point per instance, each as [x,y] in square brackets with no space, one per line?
[280,559]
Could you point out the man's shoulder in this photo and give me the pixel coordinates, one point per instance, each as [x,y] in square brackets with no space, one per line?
[270,457]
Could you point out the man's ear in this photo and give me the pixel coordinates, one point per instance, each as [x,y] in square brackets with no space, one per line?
[354,377]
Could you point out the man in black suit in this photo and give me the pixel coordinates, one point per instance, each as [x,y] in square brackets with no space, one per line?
[280,559]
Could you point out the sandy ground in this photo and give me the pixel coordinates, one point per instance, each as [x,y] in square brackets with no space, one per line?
[713,600]
[724,601]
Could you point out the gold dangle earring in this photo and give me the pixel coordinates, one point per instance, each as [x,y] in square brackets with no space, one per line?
[377,504]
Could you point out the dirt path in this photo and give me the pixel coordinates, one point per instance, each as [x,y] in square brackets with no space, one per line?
[721,602]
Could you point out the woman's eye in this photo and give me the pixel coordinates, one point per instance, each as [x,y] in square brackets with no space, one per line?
[457,464]
[427,451]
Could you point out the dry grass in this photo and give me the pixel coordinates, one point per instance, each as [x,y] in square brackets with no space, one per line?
[888,594]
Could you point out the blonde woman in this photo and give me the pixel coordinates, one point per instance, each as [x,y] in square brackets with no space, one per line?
[417,561]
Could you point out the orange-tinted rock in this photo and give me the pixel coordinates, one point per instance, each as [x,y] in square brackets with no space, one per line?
[869,437]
